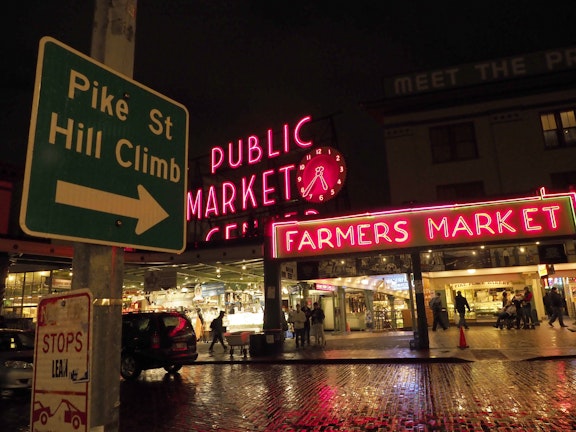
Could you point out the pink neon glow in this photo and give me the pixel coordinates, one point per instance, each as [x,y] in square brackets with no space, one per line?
[271,152]
[217,158]
[238,162]
[254,150]
[228,197]
[211,233]
[299,142]
[248,193]
[285,171]
[542,216]
[235,155]
[211,203]
[267,190]
[229,230]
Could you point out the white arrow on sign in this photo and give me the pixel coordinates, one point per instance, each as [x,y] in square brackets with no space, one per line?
[145,208]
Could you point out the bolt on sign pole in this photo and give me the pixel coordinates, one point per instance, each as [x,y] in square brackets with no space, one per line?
[101,268]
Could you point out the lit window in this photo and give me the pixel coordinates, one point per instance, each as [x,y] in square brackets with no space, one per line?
[559,129]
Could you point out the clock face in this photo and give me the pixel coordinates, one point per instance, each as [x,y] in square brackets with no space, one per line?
[321,174]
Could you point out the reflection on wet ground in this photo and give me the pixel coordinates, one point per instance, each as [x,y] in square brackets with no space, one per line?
[482,396]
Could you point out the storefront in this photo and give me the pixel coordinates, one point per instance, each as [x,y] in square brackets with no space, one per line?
[481,249]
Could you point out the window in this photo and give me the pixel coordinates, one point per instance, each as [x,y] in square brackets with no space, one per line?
[454,142]
[457,191]
[559,129]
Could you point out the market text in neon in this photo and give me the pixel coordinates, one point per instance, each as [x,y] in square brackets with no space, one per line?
[426,227]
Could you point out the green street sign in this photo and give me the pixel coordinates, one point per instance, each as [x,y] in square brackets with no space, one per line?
[107,157]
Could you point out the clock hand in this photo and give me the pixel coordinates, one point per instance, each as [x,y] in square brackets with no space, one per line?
[318,176]
[323,181]
[309,187]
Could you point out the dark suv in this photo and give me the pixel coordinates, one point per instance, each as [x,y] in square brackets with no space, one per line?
[153,340]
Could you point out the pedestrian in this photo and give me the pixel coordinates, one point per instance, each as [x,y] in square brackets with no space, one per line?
[367,319]
[547,304]
[527,309]
[436,306]
[217,327]
[557,303]
[298,320]
[518,302]
[317,320]
[307,311]
[507,314]
[460,306]
[505,300]
[199,326]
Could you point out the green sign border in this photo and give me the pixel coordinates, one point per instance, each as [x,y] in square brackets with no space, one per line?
[130,125]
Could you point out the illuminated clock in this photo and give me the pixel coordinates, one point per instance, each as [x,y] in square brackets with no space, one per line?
[321,174]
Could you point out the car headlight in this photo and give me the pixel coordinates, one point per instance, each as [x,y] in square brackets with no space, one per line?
[18,364]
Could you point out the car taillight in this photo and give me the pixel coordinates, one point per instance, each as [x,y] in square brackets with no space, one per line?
[155,340]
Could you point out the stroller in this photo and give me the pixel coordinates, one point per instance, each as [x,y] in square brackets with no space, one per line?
[507,317]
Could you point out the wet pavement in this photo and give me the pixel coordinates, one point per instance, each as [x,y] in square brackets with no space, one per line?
[501,380]
[479,342]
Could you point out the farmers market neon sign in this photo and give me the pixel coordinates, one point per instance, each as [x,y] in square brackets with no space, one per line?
[546,215]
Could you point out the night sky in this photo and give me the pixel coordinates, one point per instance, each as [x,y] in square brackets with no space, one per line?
[241,67]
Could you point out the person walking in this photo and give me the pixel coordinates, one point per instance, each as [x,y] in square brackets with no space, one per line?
[547,304]
[460,306]
[307,311]
[317,321]
[436,306]
[557,303]
[528,320]
[217,327]
[298,319]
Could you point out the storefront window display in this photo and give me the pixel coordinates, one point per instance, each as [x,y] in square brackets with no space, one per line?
[484,298]
[23,291]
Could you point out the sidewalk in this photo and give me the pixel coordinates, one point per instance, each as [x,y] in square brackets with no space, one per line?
[479,343]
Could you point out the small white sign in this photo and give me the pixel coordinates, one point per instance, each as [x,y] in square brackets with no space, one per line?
[60,393]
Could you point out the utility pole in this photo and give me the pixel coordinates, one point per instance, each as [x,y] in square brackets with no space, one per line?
[101,268]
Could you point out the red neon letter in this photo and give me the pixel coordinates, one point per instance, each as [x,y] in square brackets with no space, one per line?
[266,191]
[254,147]
[228,197]
[248,193]
[194,207]
[211,203]
[271,152]
[237,163]
[216,159]
[297,138]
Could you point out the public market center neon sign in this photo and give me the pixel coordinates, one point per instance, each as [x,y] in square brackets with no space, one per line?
[546,215]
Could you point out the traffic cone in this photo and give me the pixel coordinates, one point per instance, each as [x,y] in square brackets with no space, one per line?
[347,327]
[463,343]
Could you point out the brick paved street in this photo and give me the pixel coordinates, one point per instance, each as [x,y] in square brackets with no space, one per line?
[481,396]
[505,380]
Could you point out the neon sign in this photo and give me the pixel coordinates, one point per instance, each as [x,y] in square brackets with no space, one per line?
[524,218]
[259,177]
[321,174]
[251,191]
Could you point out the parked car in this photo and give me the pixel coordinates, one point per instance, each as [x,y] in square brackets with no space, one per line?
[153,340]
[16,359]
